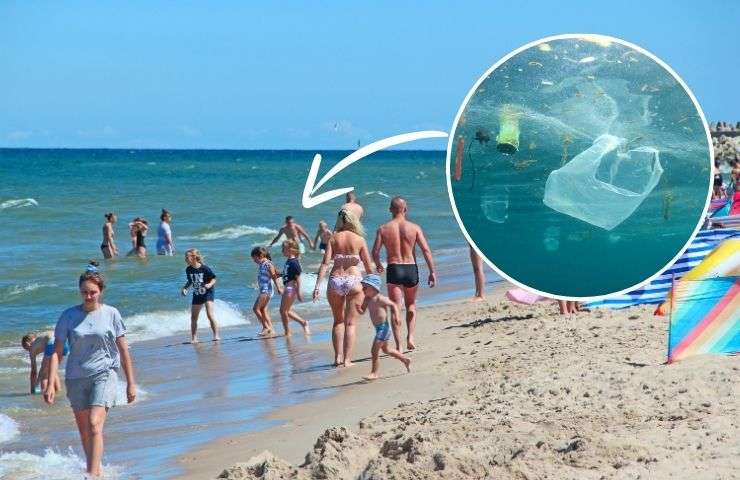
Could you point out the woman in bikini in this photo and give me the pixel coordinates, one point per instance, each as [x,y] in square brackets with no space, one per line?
[346,249]
[108,246]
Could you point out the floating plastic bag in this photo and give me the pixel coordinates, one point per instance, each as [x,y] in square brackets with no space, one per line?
[602,185]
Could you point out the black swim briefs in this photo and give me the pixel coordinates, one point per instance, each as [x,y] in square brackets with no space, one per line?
[406,274]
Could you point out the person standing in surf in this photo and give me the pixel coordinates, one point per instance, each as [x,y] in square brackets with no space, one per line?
[323,235]
[138,228]
[266,277]
[291,287]
[202,279]
[97,350]
[165,245]
[292,231]
[350,203]
[108,247]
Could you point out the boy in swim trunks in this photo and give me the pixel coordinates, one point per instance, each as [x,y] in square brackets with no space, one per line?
[377,304]
[34,345]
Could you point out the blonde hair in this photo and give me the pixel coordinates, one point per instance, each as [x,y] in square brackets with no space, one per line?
[292,246]
[347,220]
[196,254]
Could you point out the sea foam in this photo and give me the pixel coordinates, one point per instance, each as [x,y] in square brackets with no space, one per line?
[8,430]
[18,203]
[231,233]
[164,323]
[52,464]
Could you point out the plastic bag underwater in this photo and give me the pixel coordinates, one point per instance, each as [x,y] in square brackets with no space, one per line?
[602,185]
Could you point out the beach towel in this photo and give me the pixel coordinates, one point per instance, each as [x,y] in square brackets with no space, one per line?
[717,204]
[729,221]
[520,295]
[723,211]
[656,290]
[705,318]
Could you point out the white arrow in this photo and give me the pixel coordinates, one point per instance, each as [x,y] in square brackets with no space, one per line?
[311,185]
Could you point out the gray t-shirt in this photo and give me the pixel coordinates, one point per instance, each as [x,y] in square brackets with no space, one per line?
[92,339]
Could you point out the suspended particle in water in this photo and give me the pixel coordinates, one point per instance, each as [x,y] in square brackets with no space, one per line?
[667,202]
[482,135]
[495,206]
[551,238]
[567,140]
[522,164]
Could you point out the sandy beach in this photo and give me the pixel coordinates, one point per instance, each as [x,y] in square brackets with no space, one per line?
[500,390]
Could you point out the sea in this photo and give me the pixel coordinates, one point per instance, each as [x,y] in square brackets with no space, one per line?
[52,207]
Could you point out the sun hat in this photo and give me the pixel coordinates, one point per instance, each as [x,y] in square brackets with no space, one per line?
[372,280]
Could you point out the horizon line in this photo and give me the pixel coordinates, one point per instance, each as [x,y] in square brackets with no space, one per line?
[224,149]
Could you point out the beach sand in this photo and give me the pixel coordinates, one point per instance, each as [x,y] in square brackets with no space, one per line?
[500,390]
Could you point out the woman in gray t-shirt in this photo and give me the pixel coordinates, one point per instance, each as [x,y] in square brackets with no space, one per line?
[97,350]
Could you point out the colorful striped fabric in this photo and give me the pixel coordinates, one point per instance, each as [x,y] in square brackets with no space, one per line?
[705,318]
[717,204]
[656,290]
[727,221]
[723,261]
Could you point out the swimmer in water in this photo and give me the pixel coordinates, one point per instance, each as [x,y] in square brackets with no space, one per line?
[138,228]
[323,235]
[108,247]
[292,231]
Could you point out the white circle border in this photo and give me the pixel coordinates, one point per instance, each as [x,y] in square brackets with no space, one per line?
[586,37]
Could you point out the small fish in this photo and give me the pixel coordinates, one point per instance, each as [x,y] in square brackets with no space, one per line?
[538,64]
[643,88]
[587,60]
[590,77]
[547,82]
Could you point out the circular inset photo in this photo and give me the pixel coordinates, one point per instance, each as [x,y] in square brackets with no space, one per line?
[579,166]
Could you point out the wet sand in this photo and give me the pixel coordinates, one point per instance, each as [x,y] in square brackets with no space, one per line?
[499,390]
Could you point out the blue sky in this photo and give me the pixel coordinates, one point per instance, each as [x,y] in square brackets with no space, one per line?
[164,74]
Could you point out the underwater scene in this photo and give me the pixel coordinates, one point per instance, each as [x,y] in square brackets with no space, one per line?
[580,167]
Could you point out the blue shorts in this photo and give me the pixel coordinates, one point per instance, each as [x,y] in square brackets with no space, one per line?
[99,390]
[383,331]
[49,350]
[200,299]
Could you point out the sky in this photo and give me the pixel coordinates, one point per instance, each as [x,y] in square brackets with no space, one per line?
[306,75]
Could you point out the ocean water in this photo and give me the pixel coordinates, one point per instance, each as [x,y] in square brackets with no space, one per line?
[563,95]
[52,204]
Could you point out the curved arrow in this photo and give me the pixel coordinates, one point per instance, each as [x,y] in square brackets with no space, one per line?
[311,185]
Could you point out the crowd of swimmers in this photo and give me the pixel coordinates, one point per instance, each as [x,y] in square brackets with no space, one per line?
[92,334]
[138,228]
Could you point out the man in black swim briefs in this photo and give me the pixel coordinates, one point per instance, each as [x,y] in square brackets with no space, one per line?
[400,237]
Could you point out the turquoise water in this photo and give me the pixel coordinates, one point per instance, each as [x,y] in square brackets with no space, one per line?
[52,204]
[564,95]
